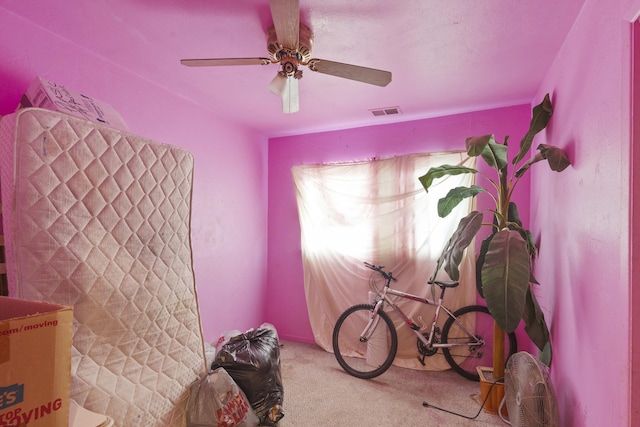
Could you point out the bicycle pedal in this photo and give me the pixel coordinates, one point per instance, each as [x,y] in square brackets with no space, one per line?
[421,360]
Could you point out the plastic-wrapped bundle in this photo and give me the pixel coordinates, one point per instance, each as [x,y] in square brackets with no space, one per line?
[252,359]
[217,401]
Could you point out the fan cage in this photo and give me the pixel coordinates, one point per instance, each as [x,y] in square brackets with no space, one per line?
[529,393]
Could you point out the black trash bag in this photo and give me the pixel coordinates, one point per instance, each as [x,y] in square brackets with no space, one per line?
[252,359]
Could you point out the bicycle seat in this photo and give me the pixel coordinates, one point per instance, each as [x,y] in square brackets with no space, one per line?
[444,283]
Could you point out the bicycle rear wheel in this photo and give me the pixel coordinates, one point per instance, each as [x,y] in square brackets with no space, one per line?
[369,356]
[465,357]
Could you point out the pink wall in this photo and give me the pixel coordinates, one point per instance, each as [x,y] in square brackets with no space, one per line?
[229,225]
[634,230]
[581,218]
[285,305]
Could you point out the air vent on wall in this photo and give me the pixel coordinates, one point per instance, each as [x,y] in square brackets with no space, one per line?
[385,111]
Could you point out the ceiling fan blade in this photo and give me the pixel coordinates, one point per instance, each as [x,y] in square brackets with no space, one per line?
[352,72]
[216,62]
[286,20]
[290,100]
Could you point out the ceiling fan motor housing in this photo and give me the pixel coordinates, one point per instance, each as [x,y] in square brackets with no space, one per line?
[305,43]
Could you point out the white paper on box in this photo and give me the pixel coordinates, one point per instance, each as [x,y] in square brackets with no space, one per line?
[52,96]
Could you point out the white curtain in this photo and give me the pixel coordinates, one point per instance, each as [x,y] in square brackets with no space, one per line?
[377,211]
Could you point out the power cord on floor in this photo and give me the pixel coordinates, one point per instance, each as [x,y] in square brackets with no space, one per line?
[428,405]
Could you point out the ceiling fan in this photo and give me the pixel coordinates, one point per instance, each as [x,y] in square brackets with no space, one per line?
[289,44]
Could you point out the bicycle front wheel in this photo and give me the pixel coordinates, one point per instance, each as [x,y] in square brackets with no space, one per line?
[470,333]
[363,349]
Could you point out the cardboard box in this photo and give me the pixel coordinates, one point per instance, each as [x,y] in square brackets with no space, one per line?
[35,363]
[45,94]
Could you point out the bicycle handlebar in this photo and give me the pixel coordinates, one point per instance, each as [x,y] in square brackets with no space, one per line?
[379,269]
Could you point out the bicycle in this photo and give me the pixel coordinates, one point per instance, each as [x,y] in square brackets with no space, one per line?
[365,340]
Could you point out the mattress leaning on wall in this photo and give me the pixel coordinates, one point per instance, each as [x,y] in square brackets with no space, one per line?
[99,219]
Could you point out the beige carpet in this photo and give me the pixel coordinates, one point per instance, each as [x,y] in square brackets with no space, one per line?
[317,392]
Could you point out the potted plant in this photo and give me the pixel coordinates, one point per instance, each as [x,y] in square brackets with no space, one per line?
[503,266]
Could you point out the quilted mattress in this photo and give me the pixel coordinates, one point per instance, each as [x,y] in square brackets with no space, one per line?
[99,219]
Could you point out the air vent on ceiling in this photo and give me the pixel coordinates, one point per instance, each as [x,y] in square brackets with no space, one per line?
[385,111]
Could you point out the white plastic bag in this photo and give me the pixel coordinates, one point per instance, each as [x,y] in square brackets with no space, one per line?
[209,354]
[217,401]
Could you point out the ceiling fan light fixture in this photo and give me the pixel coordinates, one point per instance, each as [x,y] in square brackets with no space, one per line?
[278,84]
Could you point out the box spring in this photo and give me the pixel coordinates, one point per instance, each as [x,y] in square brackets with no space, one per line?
[99,219]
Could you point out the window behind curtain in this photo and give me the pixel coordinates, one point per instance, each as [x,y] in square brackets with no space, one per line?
[376,211]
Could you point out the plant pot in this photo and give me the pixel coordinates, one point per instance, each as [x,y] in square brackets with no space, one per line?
[496,393]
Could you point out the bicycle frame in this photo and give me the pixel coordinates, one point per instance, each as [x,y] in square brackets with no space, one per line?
[384,297]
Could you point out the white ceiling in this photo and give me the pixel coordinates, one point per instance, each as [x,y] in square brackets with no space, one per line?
[446,56]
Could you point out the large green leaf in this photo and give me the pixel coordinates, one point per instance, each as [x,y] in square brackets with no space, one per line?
[440,171]
[525,167]
[557,159]
[531,243]
[476,144]
[514,217]
[505,278]
[546,355]
[463,236]
[484,247]
[494,154]
[535,324]
[455,196]
[541,115]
